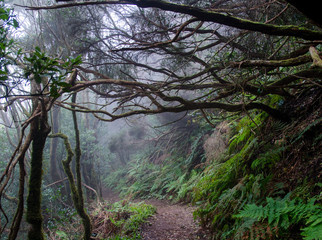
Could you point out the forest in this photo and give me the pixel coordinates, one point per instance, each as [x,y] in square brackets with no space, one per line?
[160,120]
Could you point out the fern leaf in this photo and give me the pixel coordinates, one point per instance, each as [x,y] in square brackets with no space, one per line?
[313,232]
[251,211]
[285,212]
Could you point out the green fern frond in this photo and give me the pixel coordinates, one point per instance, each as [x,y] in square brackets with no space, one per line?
[313,231]
[283,213]
[267,159]
[252,211]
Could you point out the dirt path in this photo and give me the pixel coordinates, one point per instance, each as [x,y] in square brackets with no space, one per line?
[171,221]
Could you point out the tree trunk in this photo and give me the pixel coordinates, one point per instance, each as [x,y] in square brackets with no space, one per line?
[79,202]
[20,207]
[53,145]
[40,130]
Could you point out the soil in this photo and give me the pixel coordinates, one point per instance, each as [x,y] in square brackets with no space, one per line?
[171,221]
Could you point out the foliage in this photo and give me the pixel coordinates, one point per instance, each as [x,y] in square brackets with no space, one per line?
[58,217]
[157,169]
[118,221]
[7,22]
[121,220]
[212,66]
[242,176]
[139,213]
[43,68]
[173,178]
[5,145]
[281,214]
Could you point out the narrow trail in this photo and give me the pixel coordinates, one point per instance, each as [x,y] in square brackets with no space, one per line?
[171,221]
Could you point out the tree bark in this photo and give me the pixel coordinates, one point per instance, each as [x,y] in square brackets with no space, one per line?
[54,144]
[80,198]
[209,16]
[78,203]
[40,130]
[20,203]
[20,207]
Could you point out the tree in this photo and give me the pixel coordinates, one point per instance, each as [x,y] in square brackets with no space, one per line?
[38,70]
[206,58]
[222,55]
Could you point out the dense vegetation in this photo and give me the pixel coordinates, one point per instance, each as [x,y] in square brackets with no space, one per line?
[258,185]
[213,103]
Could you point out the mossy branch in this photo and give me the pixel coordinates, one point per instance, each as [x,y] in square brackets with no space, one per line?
[70,153]
[39,130]
[82,213]
[74,189]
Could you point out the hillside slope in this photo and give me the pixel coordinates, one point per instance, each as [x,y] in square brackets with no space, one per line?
[251,177]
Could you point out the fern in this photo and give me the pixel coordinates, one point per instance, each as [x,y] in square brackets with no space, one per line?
[267,159]
[195,150]
[246,130]
[283,213]
[313,231]
[307,129]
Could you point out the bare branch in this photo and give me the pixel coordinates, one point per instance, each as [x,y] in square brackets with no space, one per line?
[204,15]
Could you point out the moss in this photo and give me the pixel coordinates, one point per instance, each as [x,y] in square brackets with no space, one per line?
[77,200]
[40,131]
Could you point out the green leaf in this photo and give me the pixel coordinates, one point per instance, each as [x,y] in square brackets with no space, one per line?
[4,16]
[15,23]
[64,84]
[312,232]
[37,78]
[19,51]
[3,78]
[77,60]
[37,49]
[27,73]
[54,91]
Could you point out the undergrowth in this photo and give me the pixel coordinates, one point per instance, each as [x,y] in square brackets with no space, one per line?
[121,220]
[118,221]
[173,179]
[266,185]
[283,214]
